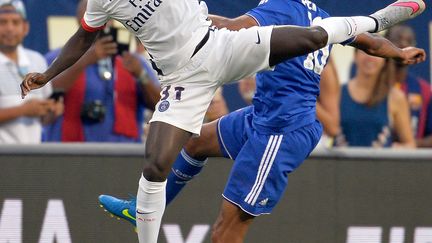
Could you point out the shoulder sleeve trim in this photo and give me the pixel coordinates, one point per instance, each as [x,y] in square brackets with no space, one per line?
[89,28]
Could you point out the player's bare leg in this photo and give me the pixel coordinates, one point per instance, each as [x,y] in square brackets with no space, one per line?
[192,159]
[231,225]
[289,41]
[206,145]
[163,144]
[197,148]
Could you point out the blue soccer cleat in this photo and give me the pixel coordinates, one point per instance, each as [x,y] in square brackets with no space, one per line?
[125,209]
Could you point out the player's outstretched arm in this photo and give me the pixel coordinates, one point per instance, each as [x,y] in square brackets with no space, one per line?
[77,45]
[238,23]
[377,45]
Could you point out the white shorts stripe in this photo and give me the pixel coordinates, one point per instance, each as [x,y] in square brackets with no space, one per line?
[269,143]
[265,167]
[192,161]
[262,168]
[267,170]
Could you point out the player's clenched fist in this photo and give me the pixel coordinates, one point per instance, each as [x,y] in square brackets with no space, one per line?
[32,81]
[413,55]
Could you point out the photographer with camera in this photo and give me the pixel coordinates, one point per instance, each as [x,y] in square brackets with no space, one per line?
[105,93]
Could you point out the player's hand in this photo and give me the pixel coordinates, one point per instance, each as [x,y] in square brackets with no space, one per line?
[32,81]
[412,55]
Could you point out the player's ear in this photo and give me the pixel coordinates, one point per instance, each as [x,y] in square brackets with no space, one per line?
[26,27]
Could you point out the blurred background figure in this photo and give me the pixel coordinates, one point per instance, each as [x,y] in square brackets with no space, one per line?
[20,120]
[105,94]
[416,89]
[217,107]
[327,107]
[247,87]
[373,112]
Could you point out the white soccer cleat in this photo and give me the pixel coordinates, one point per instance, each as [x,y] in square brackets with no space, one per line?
[397,12]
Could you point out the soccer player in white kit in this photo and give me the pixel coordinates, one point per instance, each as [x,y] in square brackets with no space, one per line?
[193,60]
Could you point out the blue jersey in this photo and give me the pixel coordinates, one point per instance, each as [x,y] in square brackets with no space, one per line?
[286,97]
[363,125]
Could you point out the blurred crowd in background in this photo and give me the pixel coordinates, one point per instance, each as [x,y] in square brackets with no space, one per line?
[109,95]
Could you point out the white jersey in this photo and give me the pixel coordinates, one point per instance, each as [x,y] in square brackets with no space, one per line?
[169,29]
[22,130]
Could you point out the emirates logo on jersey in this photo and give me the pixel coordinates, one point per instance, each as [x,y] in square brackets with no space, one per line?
[146,11]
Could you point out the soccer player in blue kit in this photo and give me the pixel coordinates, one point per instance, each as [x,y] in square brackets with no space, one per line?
[274,136]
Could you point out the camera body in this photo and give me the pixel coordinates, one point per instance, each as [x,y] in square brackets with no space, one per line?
[93,112]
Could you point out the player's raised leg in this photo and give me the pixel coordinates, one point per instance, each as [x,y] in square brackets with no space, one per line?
[289,41]
[187,166]
[163,144]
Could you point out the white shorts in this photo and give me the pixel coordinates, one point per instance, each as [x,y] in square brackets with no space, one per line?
[227,56]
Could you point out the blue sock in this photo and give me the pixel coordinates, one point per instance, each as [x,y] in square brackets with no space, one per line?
[184,169]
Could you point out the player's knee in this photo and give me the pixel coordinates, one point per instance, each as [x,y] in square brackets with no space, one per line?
[155,168]
[318,37]
[223,233]
[194,148]
[215,237]
[216,234]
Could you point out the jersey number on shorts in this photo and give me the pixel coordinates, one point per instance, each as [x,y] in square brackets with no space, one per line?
[178,92]
[316,61]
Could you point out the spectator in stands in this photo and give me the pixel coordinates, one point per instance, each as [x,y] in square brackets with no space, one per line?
[327,108]
[247,88]
[20,121]
[217,107]
[417,89]
[373,112]
[105,94]
[328,104]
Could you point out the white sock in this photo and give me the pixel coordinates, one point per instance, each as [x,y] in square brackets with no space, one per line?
[340,29]
[150,208]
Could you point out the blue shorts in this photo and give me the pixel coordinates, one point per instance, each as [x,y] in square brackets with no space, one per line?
[262,161]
